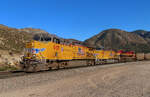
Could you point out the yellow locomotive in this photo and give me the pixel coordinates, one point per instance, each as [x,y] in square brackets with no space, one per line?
[53,53]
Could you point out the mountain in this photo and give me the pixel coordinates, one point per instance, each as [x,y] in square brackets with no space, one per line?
[117,39]
[12,39]
[144,34]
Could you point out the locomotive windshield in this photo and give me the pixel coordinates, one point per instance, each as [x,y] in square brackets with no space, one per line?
[42,37]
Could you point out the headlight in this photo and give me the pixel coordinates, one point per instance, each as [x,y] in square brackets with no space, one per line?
[34,55]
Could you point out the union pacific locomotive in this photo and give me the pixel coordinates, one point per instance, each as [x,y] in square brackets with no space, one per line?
[45,53]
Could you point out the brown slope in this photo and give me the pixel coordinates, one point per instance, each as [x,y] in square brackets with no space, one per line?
[144,34]
[12,39]
[118,39]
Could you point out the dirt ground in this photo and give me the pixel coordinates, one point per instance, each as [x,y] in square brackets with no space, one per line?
[117,80]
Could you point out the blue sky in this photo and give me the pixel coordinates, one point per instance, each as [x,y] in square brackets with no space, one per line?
[78,19]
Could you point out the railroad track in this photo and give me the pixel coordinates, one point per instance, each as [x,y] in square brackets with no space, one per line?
[9,74]
[6,74]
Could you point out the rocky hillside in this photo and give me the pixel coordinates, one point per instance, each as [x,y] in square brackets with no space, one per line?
[144,34]
[12,39]
[118,39]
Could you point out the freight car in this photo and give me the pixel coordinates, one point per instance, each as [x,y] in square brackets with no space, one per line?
[53,53]
[126,56]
